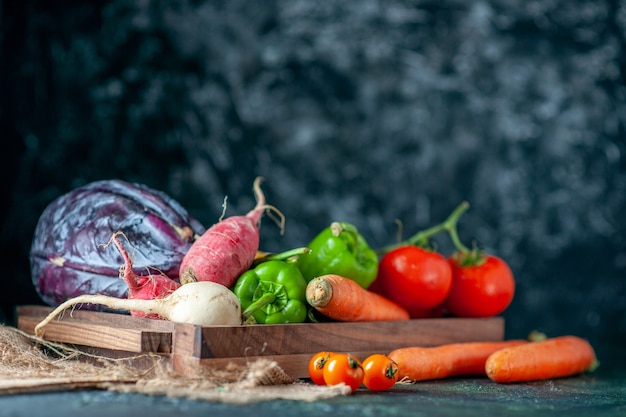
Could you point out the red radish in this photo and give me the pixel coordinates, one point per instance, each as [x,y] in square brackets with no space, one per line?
[143,287]
[227,249]
[198,303]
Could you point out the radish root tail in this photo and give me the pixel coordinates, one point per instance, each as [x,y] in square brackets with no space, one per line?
[258,193]
[110,302]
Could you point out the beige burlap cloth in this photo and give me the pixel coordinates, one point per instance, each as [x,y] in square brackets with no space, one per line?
[29,364]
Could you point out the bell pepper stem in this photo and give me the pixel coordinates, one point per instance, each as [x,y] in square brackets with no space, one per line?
[259,303]
[282,256]
[338,228]
[421,238]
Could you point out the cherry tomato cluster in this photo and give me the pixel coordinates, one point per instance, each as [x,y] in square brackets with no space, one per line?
[377,372]
[469,283]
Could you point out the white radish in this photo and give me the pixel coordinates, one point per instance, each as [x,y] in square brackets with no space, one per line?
[203,303]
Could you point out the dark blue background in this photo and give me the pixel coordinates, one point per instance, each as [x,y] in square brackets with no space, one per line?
[359,110]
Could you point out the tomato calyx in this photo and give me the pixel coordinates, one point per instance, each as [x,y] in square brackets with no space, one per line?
[353,363]
[473,257]
[392,370]
[320,364]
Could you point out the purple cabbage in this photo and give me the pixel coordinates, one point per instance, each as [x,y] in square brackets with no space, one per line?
[69,254]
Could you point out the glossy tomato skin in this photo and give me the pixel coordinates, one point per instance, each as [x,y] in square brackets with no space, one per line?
[417,279]
[316,367]
[344,368]
[380,372]
[482,290]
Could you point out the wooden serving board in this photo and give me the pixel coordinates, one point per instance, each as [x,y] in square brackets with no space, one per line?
[190,349]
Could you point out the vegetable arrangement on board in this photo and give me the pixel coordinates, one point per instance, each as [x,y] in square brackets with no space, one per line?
[219,276]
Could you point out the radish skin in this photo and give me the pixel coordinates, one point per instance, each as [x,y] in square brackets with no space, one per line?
[199,303]
[227,249]
[143,287]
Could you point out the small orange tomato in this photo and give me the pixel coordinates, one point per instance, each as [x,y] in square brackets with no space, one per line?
[343,368]
[380,372]
[316,367]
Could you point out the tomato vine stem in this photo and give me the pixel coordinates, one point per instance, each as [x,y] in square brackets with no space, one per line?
[422,237]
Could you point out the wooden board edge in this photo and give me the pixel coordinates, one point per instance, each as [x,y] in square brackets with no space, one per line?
[100,336]
[118,320]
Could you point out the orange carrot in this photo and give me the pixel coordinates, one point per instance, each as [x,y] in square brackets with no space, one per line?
[343,299]
[419,363]
[555,357]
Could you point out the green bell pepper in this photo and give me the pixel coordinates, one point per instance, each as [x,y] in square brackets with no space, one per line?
[273,292]
[340,249]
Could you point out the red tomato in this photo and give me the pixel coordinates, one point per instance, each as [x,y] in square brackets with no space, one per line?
[316,367]
[380,372]
[415,278]
[481,290]
[343,367]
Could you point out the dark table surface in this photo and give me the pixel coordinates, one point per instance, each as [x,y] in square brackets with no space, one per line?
[602,393]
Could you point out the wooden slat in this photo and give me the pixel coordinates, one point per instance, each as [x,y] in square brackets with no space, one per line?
[267,340]
[104,330]
[99,317]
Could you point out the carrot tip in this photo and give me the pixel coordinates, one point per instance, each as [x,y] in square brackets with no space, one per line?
[594,365]
[536,336]
[319,292]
